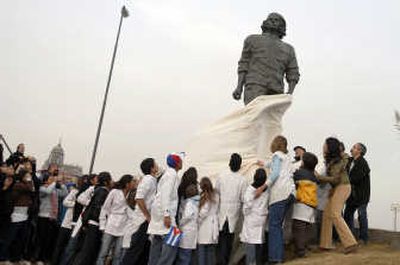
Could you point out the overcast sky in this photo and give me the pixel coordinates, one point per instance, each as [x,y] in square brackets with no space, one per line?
[176,69]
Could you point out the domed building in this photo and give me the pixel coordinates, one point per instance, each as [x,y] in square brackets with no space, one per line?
[56,156]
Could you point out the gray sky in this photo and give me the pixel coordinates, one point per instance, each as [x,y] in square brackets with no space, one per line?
[176,69]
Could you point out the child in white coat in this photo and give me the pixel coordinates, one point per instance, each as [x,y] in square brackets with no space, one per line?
[188,225]
[207,238]
[255,210]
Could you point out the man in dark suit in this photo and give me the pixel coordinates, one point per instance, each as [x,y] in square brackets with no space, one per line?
[359,174]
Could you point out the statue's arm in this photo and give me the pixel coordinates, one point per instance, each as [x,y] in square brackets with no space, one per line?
[292,72]
[242,69]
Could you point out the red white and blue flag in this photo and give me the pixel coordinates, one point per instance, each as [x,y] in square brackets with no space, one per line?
[173,237]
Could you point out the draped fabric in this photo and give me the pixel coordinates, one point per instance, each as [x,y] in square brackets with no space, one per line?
[248,131]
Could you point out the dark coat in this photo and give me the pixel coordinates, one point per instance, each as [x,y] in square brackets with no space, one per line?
[6,203]
[92,212]
[360,182]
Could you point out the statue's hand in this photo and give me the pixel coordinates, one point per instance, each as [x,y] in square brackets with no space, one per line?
[237,94]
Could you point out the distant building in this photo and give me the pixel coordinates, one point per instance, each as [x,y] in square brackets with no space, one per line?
[56,156]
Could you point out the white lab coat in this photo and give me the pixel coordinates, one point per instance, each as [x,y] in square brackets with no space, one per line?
[147,191]
[255,211]
[113,215]
[84,198]
[69,203]
[189,223]
[231,187]
[208,222]
[165,203]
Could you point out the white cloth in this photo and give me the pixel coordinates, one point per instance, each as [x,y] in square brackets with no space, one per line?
[255,211]
[248,131]
[165,203]
[284,184]
[113,215]
[208,222]
[231,187]
[19,214]
[146,190]
[69,203]
[303,212]
[189,223]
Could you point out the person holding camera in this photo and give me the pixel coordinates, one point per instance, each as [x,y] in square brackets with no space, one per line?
[51,190]
[16,236]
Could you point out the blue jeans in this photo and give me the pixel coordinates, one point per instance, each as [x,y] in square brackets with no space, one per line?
[206,254]
[184,256]
[107,242]
[277,212]
[137,253]
[161,253]
[71,249]
[251,254]
[362,219]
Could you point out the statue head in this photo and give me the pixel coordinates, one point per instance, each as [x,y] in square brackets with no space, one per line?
[275,24]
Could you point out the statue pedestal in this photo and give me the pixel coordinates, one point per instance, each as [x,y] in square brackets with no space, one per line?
[248,132]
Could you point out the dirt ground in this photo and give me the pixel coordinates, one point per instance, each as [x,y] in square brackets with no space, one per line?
[373,254]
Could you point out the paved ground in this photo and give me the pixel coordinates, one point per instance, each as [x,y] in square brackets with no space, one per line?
[372,254]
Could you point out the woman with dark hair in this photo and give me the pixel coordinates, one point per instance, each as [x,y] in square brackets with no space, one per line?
[88,253]
[230,186]
[208,222]
[113,219]
[281,187]
[337,176]
[188,178]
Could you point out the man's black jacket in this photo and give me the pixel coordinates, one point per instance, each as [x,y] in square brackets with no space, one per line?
[359,173]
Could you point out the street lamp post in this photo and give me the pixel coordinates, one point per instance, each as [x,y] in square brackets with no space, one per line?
[124,14]
[395,207]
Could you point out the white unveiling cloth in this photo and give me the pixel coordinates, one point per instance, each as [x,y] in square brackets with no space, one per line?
[247,131]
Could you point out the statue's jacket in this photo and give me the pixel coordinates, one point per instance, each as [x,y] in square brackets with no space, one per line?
[266,59]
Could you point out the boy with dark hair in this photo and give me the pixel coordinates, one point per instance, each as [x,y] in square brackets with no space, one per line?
[306,202]
[135,242]
[231,186]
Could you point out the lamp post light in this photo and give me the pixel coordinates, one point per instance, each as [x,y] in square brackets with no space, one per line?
[124,14]
[395,208]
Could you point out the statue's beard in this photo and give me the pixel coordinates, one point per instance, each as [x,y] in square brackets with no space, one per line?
[276,30]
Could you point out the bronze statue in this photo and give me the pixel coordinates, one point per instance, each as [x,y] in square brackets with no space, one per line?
[265,61]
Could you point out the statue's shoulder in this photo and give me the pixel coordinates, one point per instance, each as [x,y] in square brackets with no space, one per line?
[286,45]
[253,37]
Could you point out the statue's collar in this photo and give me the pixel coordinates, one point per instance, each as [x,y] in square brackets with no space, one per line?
[271,35]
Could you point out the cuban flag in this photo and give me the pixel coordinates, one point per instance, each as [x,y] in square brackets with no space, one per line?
[173,237]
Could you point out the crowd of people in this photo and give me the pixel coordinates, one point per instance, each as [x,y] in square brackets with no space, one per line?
[164,219]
